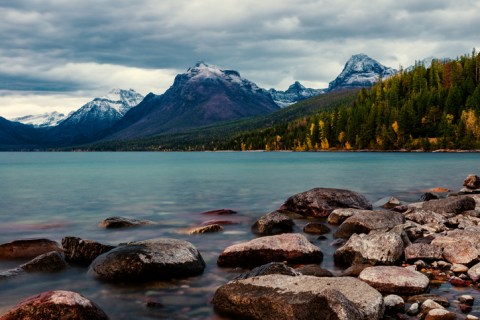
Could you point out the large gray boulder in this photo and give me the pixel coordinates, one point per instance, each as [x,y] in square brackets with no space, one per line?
[396,280]
[54,305]
[275,297]
[27,249]
[320,202]
[364,222]
[376,248]
[291,247]
[450,205]
[154,259]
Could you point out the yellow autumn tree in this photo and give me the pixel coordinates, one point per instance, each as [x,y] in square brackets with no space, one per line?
[470,120]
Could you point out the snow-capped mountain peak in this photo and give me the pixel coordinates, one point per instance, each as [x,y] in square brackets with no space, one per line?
[295,92]
[360,71]
[47,119]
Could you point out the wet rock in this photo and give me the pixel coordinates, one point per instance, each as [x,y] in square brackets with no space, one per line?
[273,223]
[48,262]
[27,249]
[423,251]
[316,228]
[364,222]
[54,305]
[396,280]
[465,308]
[474,272]
[121,222]
[341,214]
[394,304]
[421,298]
[458,282]
[427,196]
[466,299]
[472,182]
[81,251]
[440,314]
[269,268]
[314,270]
[387,203]
[153,259]
[423,217]
[376,248]
[211,228]
[320,202]
[220,212]
[291,247]
[454,205]
[303,297]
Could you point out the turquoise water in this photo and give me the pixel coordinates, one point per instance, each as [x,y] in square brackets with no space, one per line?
[53,195]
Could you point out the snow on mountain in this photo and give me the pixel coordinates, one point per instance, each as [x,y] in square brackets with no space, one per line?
[47,119]
[427,62]
[360,71]
[296,92]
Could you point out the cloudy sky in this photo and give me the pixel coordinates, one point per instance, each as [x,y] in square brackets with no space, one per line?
[59,54]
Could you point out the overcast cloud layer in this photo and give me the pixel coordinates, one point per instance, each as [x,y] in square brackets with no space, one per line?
[58,54]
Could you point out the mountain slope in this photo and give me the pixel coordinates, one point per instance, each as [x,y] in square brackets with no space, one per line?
[47,119]
[205,94]
[296,92]
[16,136]
[360,71]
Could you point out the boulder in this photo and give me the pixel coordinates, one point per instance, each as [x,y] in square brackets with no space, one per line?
[291,247]
[316,228]
[339,215]
[472,182]
[320,202]
[82,251]
[375,248]
[423,251]
[396,280]
[269,268]
[153,259]
[474,272]
[364,222]
[462,252]
[302,297]
[423,217]
[48,262]
[121,222]
[54,305]
[451,205]
[27,249]
[211,228]
[273,223]
[470,234]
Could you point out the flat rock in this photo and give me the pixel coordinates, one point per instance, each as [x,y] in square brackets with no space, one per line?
[320,202]
[82,251]
[291,247]
[341,214]
[273,223]
[303,297]
[470,234]
[454,205]
[269,268]
[375,248]
[153,259]
[27,249]
[54,305]
[396,280]
[121,222]
[423,251]
[364,222]
[316,228]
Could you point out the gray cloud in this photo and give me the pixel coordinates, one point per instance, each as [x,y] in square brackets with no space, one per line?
[270,42]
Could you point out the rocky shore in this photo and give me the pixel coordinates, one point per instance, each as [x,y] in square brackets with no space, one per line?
[391,254]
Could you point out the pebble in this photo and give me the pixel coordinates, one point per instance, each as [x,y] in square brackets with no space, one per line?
[414,309]
[466,299]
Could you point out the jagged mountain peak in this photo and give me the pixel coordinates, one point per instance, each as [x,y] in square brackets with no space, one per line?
[295,92]
[47,119]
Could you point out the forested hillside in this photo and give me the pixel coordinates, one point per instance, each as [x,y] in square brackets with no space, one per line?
[427,108]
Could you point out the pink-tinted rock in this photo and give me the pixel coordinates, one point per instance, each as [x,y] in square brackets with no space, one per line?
[55,305]
[291,247]
[454,205]
[458,282]
[474,272]
[396,280]
[423,251]
[462,252]
[27,249]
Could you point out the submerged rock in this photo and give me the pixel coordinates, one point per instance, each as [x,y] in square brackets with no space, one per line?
[220,212]
[27,249]
[291,247]
[303,297]
[273,223]
[54,305]
[320,202]
[121,222]
[81,251]
[211,228]
[364,222]
[314,270]
[154,259]
[316,228]
[396,280]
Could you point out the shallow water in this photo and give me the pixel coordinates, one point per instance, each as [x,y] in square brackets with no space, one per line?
[53,195]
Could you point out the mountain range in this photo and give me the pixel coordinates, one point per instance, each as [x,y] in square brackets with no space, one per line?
[203,95]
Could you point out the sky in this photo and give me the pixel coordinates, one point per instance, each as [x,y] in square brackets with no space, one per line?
[60,54]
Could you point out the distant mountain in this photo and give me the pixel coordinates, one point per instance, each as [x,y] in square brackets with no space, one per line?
[427,62]
[94,118]
[48,119]
[360,71]
[15,135]
[296,92]
[204,95]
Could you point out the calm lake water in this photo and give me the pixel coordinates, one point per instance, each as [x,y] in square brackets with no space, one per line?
[53,195]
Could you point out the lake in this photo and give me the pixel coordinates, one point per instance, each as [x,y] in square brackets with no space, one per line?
[53,195]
